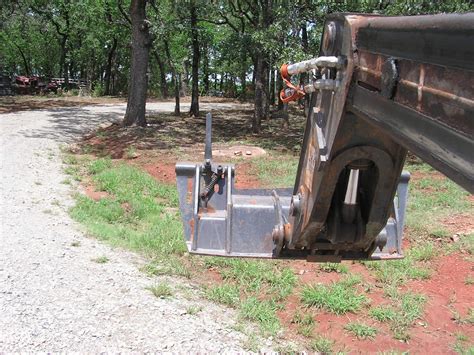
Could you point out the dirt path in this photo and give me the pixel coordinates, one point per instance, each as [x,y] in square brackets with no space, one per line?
[53,296]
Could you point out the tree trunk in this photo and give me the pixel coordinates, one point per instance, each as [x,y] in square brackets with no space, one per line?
[108,67]
[272,86]
[161,66]
[141,43]
[279,88]
[243,75]
[205,70]
[62,58]
[305,101]
[177,110]
[25,62]
[194,110]
[259,105]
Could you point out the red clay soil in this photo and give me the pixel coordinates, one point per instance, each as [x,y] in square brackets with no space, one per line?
[436,330]
[461,223]
[163,171]
[93,194]
[448,296]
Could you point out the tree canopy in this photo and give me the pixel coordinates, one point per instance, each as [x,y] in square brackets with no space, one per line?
[221,47]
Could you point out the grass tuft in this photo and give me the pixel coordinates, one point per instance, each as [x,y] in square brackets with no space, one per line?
[305,323]
[334,267]
[161,290]
[227,294]
[101,260]
[383,313]
[339,297]
[322,345]
[361,331]
[193,310]
[263,312]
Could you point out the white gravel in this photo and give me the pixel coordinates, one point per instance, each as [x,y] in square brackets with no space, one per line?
[53,297]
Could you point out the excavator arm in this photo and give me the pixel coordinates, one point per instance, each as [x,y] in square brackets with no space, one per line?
[381,86]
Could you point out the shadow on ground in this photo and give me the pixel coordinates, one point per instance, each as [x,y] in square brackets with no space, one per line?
[168,132]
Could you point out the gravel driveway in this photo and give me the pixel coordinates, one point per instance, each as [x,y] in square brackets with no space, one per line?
[53,296]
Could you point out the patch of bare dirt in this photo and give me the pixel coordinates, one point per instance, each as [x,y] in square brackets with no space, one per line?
[462,223]
[93,194]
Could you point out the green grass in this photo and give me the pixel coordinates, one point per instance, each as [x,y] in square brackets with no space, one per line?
[248,283]
[305,323]
[227,294]
[422,252]
[133,215]
[276,171]
[161,290]
[171,265]
[255,276]
[430,200]
[397,272]
[407,307]
[462,346]
[193,310]
[383,313]
[361,330]
[322,345]
[334,267]
[263,312]
[101,260]
[339,297]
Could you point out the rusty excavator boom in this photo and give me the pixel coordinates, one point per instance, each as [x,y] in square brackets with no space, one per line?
[380,87]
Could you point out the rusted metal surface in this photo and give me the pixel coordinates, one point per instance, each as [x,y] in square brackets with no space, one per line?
[400,83]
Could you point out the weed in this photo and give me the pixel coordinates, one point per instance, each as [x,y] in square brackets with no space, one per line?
[227,294]
[56,203]
[465,244]
[397,272]
[66,182]
[469,280]
[161,290]
[339,297]
[383,313]
[334,267]
[408,307]
[74,171]
[193,310]
[263,312]
[431,198]
[38,183]
[305,323]
[131,153]
[279,172]
[131,216]
[460,345]
[101,259]
[422,252]
[253,275]
[169,266]
[361,331]
[252,343]
[99,165]
[76,243]
[322,345]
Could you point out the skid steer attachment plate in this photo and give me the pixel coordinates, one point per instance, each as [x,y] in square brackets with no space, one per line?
[242,223]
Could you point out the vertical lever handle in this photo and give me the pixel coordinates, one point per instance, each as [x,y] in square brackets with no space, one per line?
[208,148]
